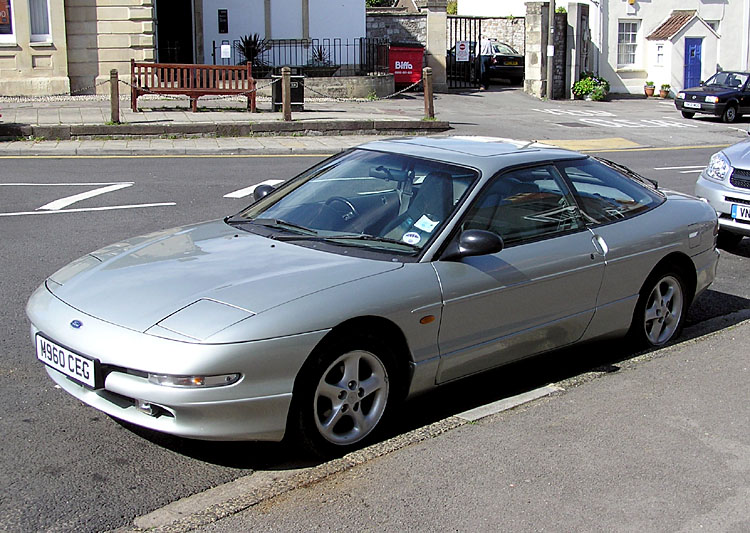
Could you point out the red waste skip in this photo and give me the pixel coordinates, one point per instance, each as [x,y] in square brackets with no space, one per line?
[406,63]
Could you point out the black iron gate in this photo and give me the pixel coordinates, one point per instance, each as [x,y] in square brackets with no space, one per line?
[462,61]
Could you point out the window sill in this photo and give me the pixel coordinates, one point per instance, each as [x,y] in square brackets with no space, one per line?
[8,45]
[626,69]
[41,44]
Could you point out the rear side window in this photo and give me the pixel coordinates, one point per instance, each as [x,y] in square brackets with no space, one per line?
[604,194]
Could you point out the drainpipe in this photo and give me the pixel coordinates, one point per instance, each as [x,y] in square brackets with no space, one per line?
[745,32]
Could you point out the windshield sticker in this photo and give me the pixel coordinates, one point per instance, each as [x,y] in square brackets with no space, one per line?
[425,224]
[411,238]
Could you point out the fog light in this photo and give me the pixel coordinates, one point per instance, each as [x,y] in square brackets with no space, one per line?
[145,407]
[199,382]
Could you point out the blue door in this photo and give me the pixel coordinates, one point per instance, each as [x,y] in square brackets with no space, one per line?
[692,62]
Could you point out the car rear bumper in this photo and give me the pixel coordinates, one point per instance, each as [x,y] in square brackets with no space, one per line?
[721,197]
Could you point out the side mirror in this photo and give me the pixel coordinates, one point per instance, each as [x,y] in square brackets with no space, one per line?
[702,83]
[473,242]
[261,191]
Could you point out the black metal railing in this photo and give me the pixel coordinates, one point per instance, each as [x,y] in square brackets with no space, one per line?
[318,57]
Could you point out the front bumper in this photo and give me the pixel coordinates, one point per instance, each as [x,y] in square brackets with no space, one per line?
[254,408]
[705,107]
[721,196]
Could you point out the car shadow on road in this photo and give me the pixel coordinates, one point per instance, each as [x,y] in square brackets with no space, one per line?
[711,312]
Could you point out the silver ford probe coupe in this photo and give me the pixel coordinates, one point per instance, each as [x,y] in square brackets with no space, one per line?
[377,274]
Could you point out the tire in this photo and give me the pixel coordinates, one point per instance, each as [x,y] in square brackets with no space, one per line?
[688,114]
[730,114]
[342,396]
[728,240]
[660,312]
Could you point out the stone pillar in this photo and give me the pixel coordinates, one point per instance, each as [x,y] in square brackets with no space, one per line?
[560,40]
[536,49]
[437,19]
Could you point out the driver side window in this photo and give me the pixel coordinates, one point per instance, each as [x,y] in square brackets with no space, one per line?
[525,204]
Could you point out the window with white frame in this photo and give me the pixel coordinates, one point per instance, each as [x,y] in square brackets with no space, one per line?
[659,54]
[713,24]
[627,43]
[6,22]
[39,17]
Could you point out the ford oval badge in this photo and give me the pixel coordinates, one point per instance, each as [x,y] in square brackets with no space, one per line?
[76,324]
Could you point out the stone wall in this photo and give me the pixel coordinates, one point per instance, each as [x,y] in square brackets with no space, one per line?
[560,40]
[106,34]
[412,28]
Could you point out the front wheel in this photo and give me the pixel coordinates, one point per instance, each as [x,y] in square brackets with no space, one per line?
[342,396]
[730,114]
[660,310]
[688,114]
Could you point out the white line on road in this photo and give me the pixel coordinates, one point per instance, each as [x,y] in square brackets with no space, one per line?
[698,171]
[508,403]
[247,191]
[700,167]
[62,184]
[85,209]
[65,202]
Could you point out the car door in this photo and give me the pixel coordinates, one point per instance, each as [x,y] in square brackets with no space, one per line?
[537,294]
[631,244]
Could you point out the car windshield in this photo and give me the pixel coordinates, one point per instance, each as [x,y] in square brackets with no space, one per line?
[364,198]
[727,79]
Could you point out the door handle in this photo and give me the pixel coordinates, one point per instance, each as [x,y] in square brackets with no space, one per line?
[600,245]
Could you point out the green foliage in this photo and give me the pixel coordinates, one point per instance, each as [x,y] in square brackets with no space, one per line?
[665,86]
[252,47]
[379,3]
[452,7]
[591,85]
[649,84]
[561,10]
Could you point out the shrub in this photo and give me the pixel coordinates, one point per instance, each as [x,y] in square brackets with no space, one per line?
[590,84]
[665,86]
[649,84]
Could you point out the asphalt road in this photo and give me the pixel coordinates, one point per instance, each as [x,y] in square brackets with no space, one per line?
[66,466]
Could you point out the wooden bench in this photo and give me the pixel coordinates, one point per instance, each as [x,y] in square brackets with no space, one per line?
[193,81]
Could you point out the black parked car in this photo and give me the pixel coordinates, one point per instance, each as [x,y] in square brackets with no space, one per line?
[506,63]
[726,94]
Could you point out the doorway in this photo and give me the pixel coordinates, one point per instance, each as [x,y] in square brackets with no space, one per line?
[174,31]
[692,62]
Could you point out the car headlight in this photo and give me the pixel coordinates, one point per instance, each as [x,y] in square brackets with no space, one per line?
[681,95]
[195,382]
[718,167]
[712,99]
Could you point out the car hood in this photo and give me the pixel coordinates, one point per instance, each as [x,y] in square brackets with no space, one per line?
[138,283]
[739,154]
[706,90]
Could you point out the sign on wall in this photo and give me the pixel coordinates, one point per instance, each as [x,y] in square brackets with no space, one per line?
[6,27]
[462,50]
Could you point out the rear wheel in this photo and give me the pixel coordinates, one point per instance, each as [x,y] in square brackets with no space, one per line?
[728,240]
[661,308]
[342,395]
[688,114]
[730,114]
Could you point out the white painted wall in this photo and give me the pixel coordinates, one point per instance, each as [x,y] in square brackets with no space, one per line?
[344,19]
[245,18]
[286,19]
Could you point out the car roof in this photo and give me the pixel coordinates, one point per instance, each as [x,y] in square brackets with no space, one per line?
[487,153]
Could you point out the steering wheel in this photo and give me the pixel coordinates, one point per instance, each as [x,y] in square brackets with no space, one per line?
[348,213]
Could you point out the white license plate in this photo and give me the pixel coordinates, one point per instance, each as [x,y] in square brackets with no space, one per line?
[741,212]
[77,367]
[692,104]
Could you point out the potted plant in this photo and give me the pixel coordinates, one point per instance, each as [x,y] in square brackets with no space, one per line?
[590,87]
[664,91]
[648,89]
[253,47]
[320,65]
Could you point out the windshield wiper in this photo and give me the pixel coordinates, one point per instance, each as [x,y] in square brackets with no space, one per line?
[282,224]
[352,237]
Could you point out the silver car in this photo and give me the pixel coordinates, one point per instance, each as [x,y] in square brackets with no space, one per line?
[377,274]
[725,184]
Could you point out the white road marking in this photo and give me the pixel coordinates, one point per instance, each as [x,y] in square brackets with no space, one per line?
[86,209]
[507,403]
[247,191]
[65,202]
[62,184]
[700,167]
[698,171]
